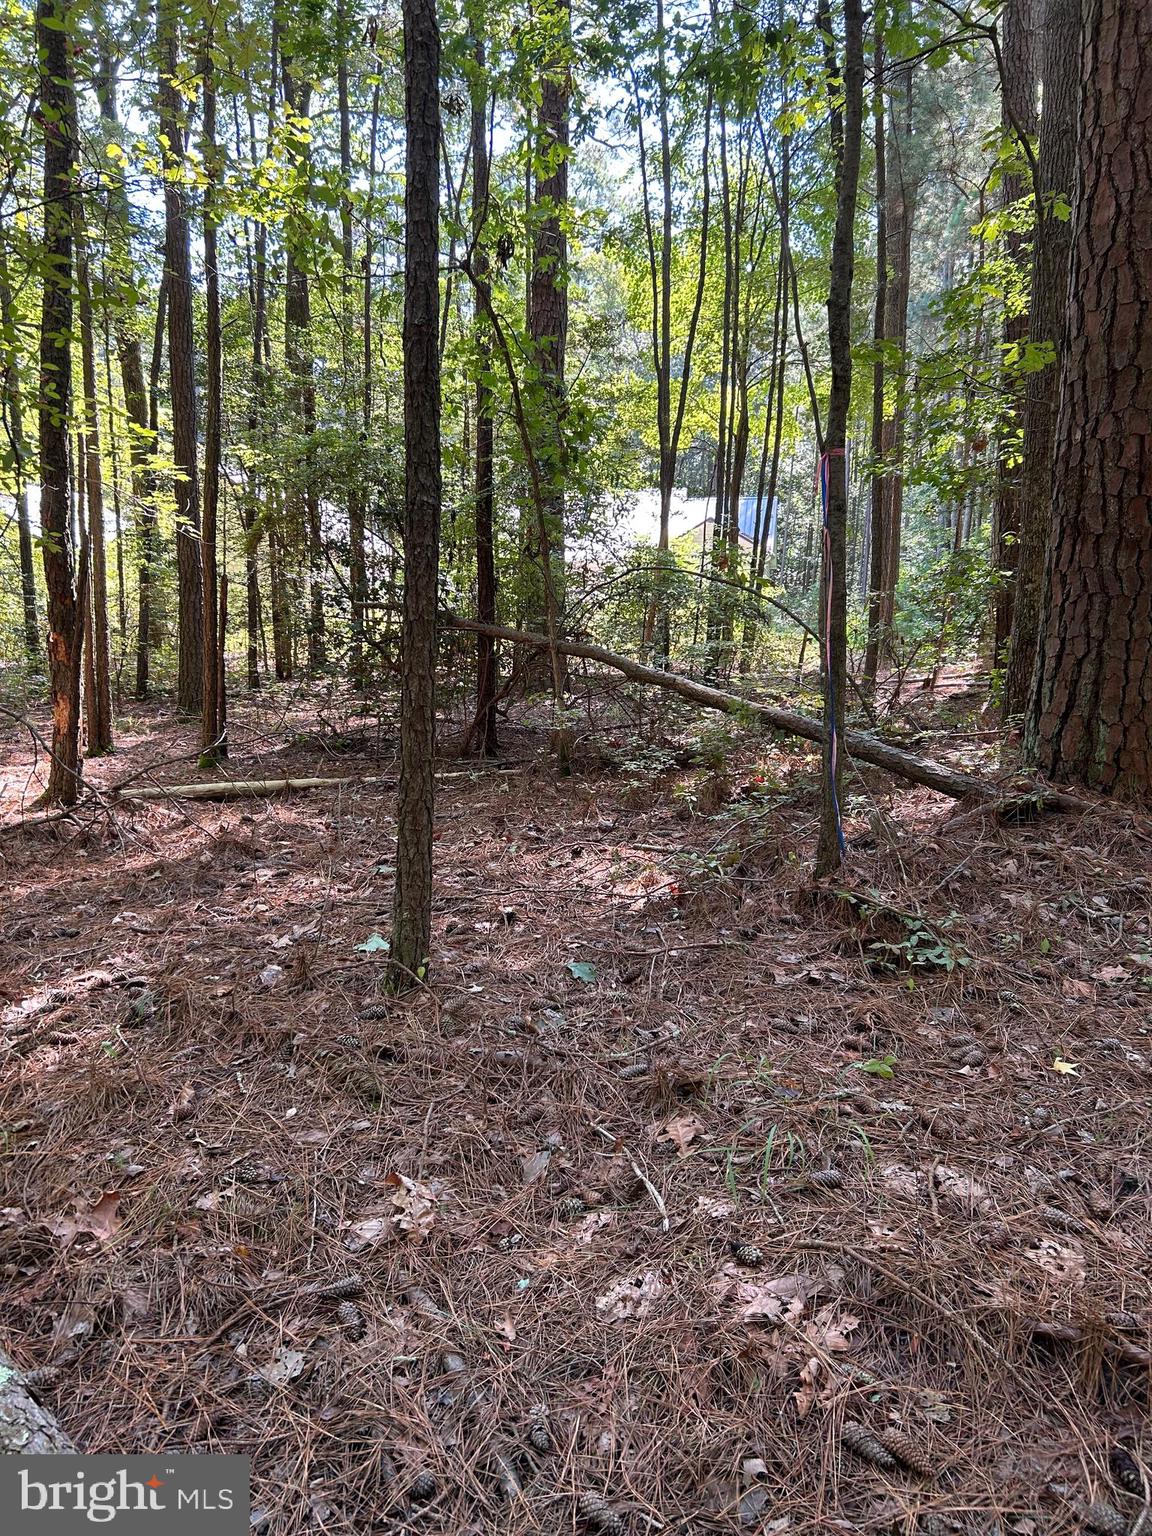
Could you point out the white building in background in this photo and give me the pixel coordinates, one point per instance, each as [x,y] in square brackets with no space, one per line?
[692,518]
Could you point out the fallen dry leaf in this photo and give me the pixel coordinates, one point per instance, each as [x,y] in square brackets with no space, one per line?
[1060,1260]
[101,1220]
[632,1297]
[682,1131]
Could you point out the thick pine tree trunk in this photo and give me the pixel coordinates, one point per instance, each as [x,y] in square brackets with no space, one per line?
[181,369]
[1092,714]
[1047,310]
[412,906]
[65,620]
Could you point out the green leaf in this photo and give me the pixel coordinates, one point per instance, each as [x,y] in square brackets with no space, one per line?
[583,971]
[373,944]
[879,1066]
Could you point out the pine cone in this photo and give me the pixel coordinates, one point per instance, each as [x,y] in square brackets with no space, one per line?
[865,1445]
[632,1070]
[40,1378]
[1062,1221]
[539,1437]
[351,1319]
[598,1515]
[423,1487]
[748,1254]
[1125,1471]
[906,1451]
[374,1012]
[826,1178]
[1124,1322]
[343,1289]
[510,1242]
[1105,1519]
[570,1207]
[349,1042]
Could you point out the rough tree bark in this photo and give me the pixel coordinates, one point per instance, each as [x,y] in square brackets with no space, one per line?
[26,1429]
[1047,311]
[65,622]
[412,905]
[1091,721]
[181,365]
[847,131]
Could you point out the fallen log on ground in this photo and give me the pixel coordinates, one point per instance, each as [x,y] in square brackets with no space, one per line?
[26,1429]
[859,744]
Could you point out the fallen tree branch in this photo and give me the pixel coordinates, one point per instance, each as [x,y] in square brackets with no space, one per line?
[860,744]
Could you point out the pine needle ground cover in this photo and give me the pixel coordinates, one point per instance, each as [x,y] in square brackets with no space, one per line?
[677,1200]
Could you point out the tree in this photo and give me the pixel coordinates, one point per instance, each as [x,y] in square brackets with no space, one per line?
[98,668]
[65,605]
[213,742]
[1091,720]
[1018,93]
[181,362]
[847,130]
[1047,306]
[484,489]
[412,905]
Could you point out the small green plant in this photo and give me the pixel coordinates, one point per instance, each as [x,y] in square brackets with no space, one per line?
[878,1066]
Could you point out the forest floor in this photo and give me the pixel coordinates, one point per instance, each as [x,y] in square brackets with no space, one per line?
[461,1261]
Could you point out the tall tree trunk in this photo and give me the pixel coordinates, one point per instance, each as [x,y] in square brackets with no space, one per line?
[10,378]
[484,490]
[878,528]
[143,407]
[900,195]
[847,134]
[1018,84]
[1092,714]
[548,329]
[298,354]
[412,907]
[181,365]
[98,697]
[65,621]
[213,743]
[1047,312]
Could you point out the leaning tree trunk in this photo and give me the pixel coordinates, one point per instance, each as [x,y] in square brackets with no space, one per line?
[1047,309]
[181,366]
[412,907]
[26,1429]
[1092,713]
[65,622]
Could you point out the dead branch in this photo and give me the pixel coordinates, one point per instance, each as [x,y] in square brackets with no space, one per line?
[860,744]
